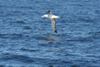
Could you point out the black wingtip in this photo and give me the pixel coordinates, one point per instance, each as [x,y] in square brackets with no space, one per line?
[48,11]
[56,31]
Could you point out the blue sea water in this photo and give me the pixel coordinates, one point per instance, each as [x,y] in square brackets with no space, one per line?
[27,40]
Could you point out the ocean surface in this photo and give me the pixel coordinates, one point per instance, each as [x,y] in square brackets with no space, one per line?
[27,39]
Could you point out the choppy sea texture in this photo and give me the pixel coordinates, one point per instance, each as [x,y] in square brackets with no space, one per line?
[27,40]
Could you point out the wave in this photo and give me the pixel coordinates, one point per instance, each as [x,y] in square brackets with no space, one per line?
[21,58]
[11,36]
[81,39]
[27,27]
[29,50]
[95,35]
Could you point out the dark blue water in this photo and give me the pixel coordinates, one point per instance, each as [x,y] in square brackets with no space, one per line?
[27,40]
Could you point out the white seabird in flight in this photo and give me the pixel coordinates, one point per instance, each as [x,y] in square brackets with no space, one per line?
[52,17]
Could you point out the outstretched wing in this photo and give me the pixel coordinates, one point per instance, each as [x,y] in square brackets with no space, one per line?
[53,25]
[55,16]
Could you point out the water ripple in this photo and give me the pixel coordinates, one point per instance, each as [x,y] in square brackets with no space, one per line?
[30,50]
[95,35]
[21,58]
[11,36]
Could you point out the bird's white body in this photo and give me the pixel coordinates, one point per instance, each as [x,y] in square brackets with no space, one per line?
[52,18]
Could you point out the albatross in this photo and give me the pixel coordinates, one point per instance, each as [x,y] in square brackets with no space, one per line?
[52,17]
